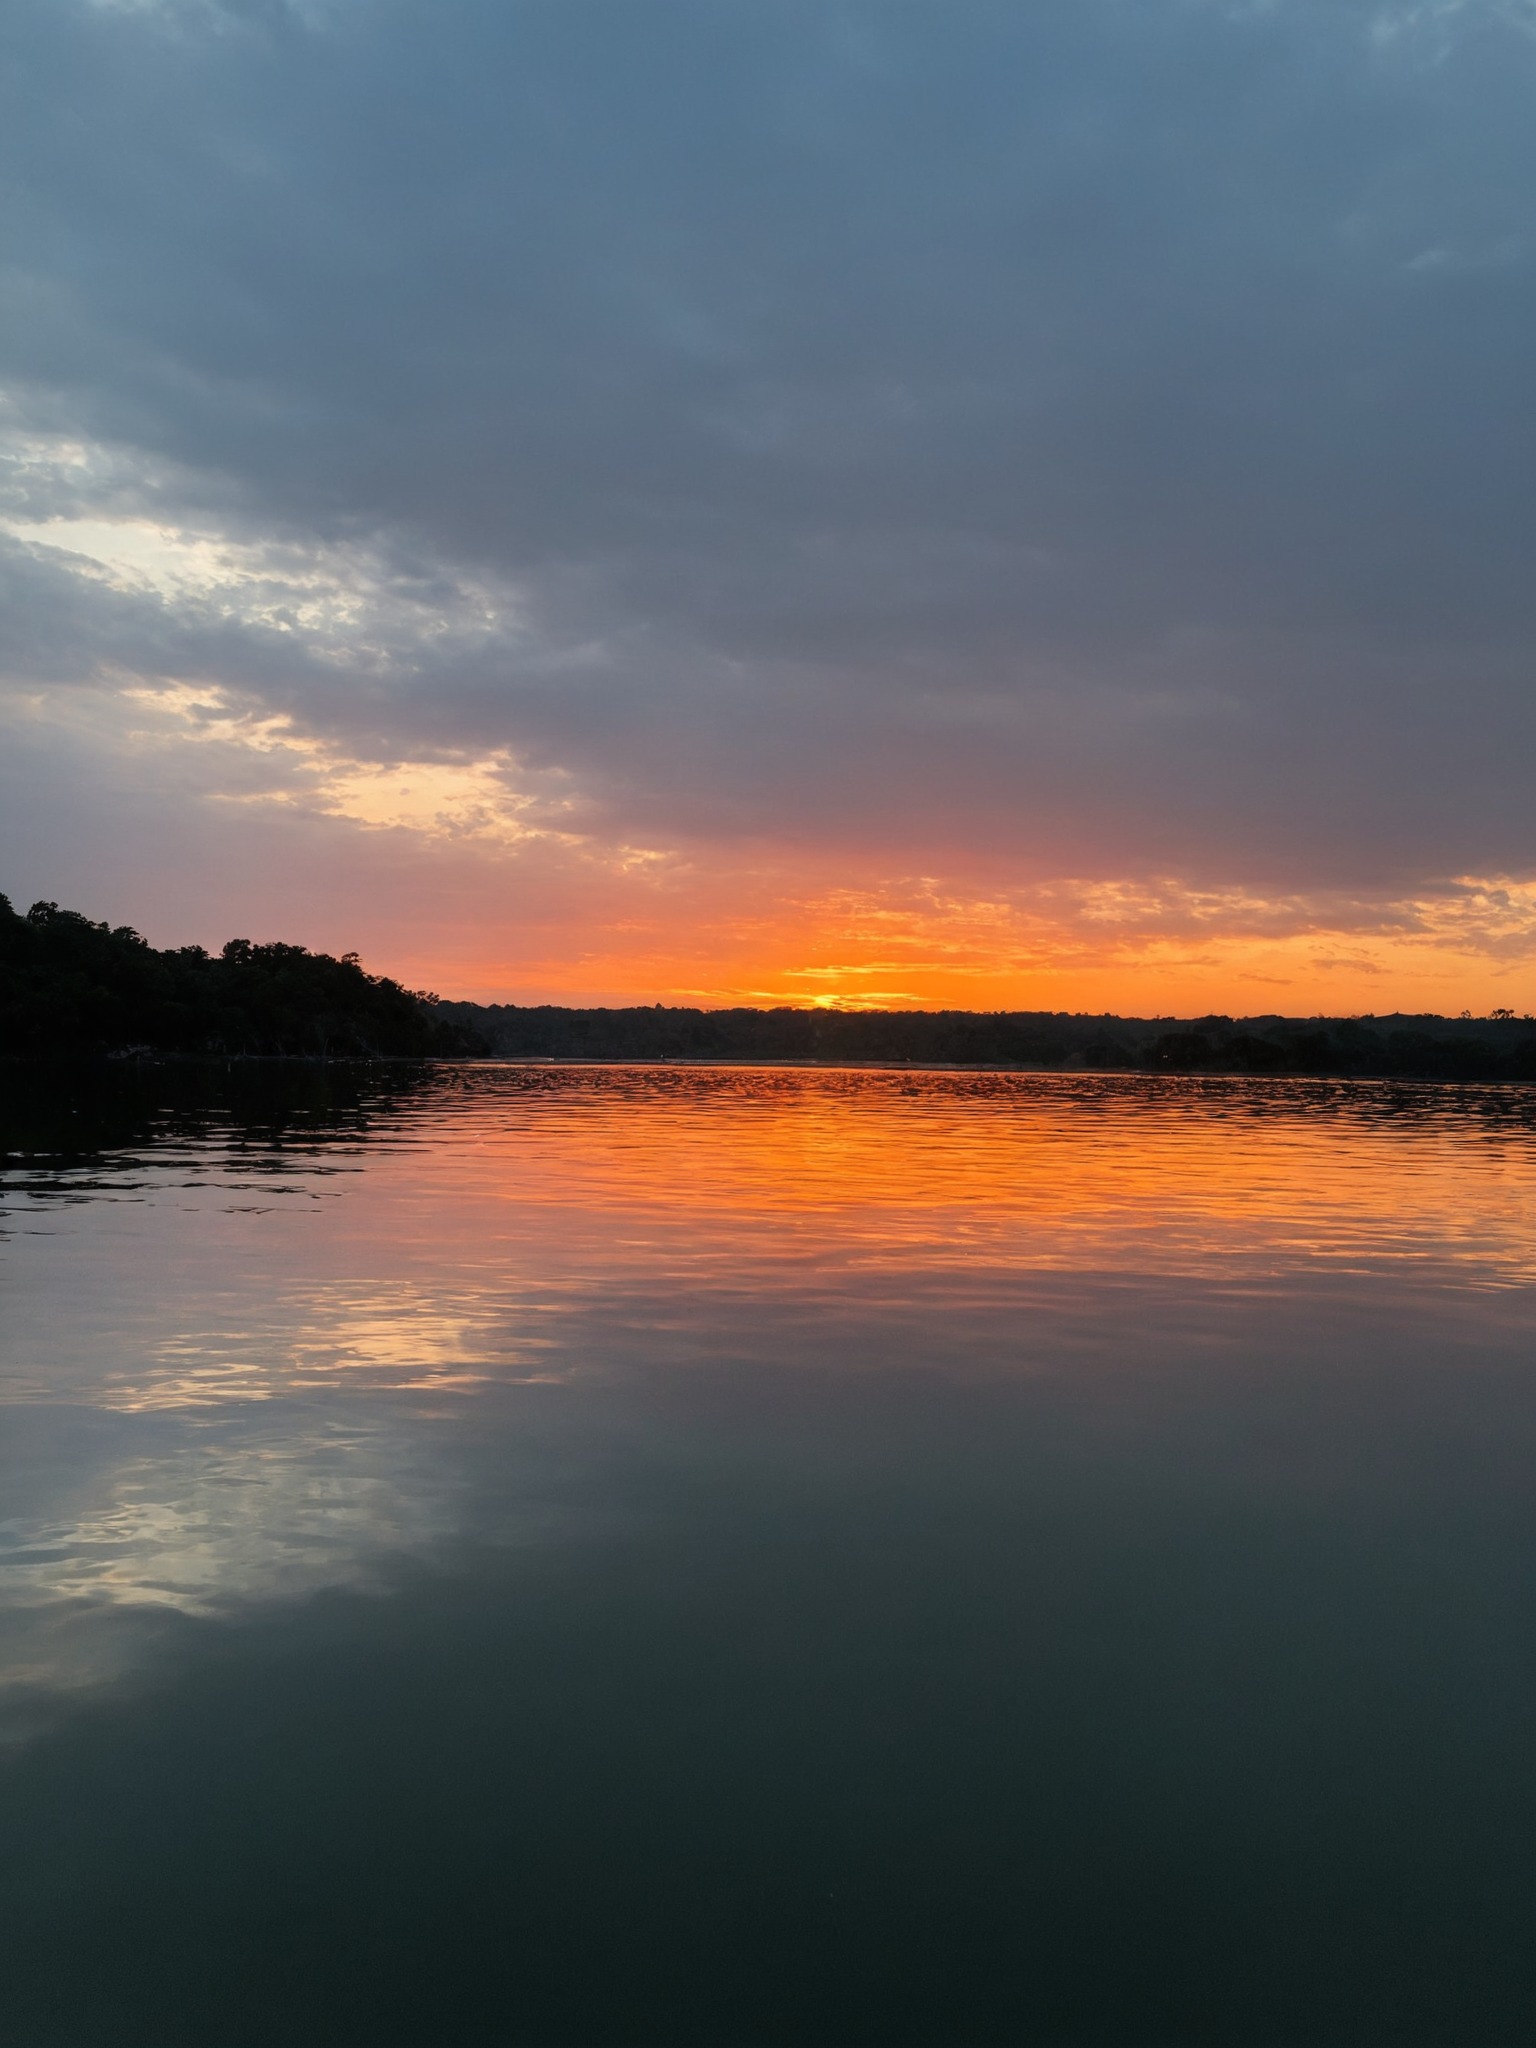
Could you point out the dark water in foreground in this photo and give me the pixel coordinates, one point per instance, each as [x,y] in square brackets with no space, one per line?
[612,1557]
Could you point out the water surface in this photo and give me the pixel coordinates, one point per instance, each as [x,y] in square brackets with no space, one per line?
[616,1556]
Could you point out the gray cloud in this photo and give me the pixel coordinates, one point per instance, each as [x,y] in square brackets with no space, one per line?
[1090,437]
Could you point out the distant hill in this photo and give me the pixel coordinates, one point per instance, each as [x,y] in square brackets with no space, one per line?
[70,986]
[1501,1047]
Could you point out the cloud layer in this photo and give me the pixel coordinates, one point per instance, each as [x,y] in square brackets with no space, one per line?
[1068,466]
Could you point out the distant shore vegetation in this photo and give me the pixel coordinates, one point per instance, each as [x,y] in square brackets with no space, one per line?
[72,987]
[1497,1048]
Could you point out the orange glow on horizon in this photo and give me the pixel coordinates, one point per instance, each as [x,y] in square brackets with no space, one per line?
[453,875]
[1086,950]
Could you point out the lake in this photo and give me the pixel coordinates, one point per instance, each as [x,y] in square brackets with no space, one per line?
[610,1556]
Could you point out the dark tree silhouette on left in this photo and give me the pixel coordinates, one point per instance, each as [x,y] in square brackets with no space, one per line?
[69,985]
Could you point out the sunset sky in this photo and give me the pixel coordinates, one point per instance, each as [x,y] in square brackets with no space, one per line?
[1001,503]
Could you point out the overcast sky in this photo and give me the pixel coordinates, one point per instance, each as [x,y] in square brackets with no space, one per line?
[1027,502]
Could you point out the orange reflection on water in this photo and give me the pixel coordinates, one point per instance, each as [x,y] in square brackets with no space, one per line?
[288,1310]
[523,1223]
[901,1168]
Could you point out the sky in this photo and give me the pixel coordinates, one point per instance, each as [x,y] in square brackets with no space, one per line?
[990,503]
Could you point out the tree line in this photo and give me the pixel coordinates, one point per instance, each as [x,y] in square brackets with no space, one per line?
[69,986]
[1501,1047]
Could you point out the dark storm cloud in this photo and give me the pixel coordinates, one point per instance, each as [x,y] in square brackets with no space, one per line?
[1087,433]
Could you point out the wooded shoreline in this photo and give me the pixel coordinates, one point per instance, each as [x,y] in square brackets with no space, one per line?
[73,988]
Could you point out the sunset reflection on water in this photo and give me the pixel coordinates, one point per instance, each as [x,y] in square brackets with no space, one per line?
[518,1226]
[1065,1171]
[1058,1393]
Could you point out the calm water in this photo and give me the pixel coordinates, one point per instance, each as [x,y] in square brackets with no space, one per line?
[617,1557]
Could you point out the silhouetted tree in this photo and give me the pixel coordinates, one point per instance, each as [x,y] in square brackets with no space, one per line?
[68,985]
